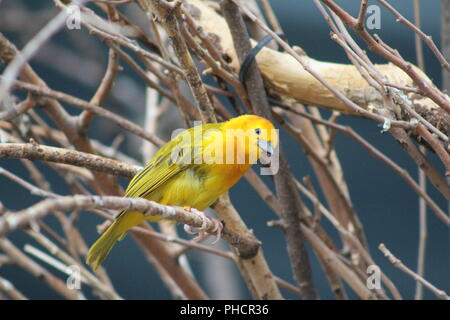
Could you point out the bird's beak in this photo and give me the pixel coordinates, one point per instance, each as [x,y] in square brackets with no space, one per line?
[265,146]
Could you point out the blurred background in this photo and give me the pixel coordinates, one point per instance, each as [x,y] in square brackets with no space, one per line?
[74,62]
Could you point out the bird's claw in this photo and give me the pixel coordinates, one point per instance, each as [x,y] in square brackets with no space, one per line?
[218,229]
[201,232]
[188,229]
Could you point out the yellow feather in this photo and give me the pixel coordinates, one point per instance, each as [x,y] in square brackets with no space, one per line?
[169,180]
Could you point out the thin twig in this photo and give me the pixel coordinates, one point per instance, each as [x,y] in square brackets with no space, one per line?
[423,226]
[90,279]
[398,264]
[7,287]
[353,106]
[427,39]
[377,46]
[12,71]
[378,154]
[362,14]
[76,102]
[38,271]
[106,85]
[423,235]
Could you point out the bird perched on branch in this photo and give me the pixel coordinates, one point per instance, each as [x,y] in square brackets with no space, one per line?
[192,170]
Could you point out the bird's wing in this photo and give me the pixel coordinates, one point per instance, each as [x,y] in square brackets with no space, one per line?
[173,158]
[158,171]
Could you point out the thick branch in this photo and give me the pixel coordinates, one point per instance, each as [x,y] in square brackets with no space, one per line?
[287,78]
[253,264]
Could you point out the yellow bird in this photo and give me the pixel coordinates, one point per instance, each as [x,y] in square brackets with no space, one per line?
[192,170]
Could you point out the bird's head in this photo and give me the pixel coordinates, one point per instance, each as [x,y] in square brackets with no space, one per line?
[253,135]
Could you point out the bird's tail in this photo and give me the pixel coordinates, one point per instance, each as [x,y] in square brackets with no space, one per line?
[116,231]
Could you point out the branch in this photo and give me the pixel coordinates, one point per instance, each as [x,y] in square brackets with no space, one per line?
[106,290]
[437,147]
[37,271]
[330,179]
[253,265]
[14,68]
[103,91]
[33,151]
[419,78]
[84,105]
[168,13]
[290,204]
[57,113]
[20,219]
[338,265]
[306,80]
[373,151]
[362,14]
[398,264]
[252,262]
[432,173]
[427,39]
[7,287]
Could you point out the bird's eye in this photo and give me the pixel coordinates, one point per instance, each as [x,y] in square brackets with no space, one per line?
[258,131]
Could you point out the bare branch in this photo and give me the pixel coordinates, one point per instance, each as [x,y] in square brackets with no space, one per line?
[427,39]
[33,151]
[290,203]
[12,71]
[398,264]
[78,103]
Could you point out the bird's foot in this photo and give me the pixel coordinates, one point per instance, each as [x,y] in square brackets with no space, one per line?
[218,227]
[201,232]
